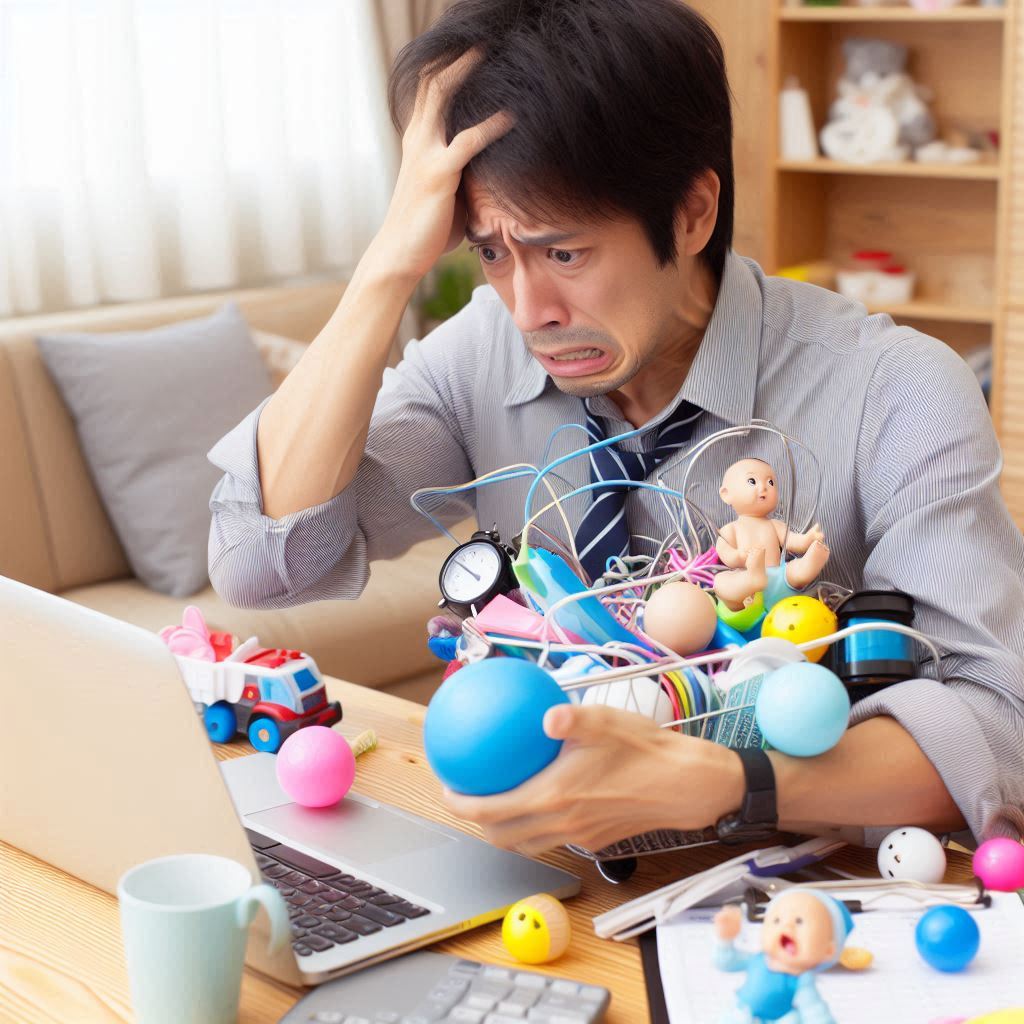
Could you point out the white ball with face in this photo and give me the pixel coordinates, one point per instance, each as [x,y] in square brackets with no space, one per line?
[912,854]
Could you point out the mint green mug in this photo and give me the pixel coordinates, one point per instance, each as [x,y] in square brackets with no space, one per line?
[185,920]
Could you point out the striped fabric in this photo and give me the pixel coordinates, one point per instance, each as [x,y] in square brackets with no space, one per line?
[603,531]
[909,489]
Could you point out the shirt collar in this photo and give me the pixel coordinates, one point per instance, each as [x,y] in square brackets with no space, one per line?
[723,377]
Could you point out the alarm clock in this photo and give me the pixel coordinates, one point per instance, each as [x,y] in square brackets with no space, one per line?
[476,572]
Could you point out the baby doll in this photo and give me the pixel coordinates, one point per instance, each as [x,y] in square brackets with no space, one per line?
[803,933]
[753,541]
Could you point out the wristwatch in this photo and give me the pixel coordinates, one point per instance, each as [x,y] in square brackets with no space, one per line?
[758,816]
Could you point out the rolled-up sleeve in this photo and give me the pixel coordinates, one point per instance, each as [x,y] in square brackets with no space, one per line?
[323,552]
[937,527]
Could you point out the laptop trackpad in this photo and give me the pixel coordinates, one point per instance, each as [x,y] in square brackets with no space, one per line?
[352,831]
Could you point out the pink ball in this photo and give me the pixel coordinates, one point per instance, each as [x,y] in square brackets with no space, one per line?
[999,863]
[316,766]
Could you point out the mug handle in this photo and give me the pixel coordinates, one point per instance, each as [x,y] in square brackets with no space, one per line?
[277,911]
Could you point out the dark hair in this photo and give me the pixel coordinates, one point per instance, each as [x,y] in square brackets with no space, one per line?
[619,105]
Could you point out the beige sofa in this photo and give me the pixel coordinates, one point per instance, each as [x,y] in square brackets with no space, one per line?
[55,533]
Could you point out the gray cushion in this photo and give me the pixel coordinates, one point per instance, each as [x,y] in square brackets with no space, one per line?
[148,405]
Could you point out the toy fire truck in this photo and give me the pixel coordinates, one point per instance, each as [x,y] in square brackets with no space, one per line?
[260,692]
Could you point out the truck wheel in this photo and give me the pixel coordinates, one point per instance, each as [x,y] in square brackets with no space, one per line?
[265,734]
[220,721]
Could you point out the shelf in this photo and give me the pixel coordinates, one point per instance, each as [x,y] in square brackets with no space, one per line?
[921,309]
[876,14]
[906,169]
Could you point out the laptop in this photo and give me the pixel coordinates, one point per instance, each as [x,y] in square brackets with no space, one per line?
[111,766]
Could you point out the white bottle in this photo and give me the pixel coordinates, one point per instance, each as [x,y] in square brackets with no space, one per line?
[797,138]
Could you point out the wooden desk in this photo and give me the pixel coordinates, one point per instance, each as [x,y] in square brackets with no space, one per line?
[61,959]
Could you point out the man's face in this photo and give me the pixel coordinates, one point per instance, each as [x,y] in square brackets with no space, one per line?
[593,306]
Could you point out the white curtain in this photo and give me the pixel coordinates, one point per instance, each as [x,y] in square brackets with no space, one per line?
[155,147]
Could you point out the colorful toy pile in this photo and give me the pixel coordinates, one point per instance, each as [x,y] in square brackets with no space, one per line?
[712,627]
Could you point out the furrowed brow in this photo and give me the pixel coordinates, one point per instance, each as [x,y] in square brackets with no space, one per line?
[478,238]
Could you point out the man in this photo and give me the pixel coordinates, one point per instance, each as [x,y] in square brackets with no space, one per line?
[584,148]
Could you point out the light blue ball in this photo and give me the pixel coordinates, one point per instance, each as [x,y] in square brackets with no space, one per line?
[484,733]
[947,938]
[802,709]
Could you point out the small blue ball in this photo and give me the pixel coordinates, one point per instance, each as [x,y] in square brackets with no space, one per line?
[947,938]
[484,728]
[802,709]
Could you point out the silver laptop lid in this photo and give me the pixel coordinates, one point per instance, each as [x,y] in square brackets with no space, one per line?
[110,766]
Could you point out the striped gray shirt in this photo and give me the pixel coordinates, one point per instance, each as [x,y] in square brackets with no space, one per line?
[909,496]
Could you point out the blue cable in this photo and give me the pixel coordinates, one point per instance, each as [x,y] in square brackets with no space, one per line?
[455,489]
[539,474]
[558,430]
[639,484]
[575,455]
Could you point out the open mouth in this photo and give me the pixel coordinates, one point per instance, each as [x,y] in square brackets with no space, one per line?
[788,944]
[578,355]
[574,362]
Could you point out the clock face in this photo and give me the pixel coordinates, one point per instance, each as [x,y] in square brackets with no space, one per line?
[470,572]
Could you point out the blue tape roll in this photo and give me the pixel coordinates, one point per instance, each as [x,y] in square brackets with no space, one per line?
[877,644]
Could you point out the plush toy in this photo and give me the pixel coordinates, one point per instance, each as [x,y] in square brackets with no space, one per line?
[880,112]
[194,639]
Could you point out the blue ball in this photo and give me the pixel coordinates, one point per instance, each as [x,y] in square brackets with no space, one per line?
[947,938]
[483,733]
[802,709]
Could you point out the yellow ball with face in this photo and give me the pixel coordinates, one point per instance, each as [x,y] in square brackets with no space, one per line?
[536,930]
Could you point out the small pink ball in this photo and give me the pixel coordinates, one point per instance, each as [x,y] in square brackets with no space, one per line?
[316,766]
[999,863]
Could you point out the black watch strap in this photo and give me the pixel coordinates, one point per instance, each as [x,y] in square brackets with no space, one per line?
[758,816]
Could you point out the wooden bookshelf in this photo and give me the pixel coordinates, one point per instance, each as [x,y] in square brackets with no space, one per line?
[922,309]
[960,228]
[884,15]
[905,169]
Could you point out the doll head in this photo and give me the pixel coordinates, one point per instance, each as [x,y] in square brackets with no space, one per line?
[804,930]
[749,487]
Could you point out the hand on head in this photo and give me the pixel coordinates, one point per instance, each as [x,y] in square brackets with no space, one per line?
[427,217]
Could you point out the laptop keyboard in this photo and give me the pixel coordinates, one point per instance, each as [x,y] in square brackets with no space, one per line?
[327,907]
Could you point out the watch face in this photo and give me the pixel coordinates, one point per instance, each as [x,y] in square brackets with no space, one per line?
[470,572]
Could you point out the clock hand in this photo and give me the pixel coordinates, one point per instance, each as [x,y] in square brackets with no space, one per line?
[462,565]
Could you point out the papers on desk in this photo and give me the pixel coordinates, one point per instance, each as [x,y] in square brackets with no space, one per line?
[718,884]
[899,986]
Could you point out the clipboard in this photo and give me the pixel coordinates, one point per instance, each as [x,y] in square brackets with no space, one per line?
[993,981]
[656,1005]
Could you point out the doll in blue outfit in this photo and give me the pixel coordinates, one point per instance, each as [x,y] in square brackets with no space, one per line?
[803,933]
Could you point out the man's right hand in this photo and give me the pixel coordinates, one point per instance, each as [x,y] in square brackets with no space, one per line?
[425,220]
[306,460]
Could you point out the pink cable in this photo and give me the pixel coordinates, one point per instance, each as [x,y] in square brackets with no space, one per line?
[697,569]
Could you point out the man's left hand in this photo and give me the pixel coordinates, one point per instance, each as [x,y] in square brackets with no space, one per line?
[616,775]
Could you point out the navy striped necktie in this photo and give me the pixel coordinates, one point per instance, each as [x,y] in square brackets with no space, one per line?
[603,531]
